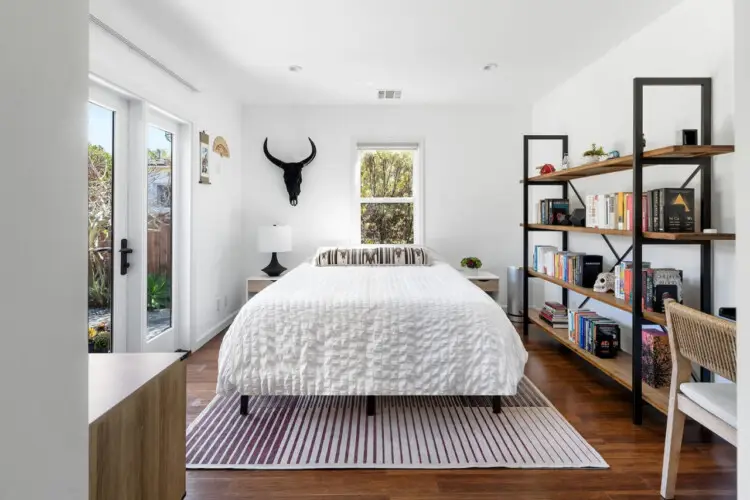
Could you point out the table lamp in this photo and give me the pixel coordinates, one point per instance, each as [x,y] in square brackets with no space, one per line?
[274,239]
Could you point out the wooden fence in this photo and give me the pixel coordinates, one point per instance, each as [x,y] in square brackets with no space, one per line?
[160,250]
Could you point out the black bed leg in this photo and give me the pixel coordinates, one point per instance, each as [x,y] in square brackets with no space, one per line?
[244,401]
[497,404]
[370,402]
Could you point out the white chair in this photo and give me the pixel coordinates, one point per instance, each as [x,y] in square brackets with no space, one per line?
[710,342]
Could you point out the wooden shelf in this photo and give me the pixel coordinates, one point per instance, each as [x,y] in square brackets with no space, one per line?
[620,368]
[606,298]
[648,234]
[626,162]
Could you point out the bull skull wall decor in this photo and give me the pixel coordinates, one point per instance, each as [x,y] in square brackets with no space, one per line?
[292,171]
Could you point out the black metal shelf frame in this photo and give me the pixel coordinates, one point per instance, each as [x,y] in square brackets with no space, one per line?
[704,169]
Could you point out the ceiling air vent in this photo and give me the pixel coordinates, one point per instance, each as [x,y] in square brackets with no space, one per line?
[389,94]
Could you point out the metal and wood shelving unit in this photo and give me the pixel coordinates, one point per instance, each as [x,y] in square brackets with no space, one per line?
[626,368]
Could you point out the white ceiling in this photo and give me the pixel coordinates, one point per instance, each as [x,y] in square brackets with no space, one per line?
[433,50]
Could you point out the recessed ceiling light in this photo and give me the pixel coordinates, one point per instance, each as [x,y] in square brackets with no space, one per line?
[295,69]
[490,67]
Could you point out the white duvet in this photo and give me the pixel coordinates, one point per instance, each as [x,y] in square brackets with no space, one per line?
[411,330]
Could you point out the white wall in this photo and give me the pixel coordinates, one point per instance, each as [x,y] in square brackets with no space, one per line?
[471,169]
[215,254]
[693,39]
[43,360]
[742,159]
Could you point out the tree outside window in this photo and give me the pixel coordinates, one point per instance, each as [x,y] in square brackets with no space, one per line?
[386,196]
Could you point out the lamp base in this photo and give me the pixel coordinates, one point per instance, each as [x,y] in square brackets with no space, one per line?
[274,269]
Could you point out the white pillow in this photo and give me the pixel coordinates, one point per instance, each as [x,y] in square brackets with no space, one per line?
[373,255]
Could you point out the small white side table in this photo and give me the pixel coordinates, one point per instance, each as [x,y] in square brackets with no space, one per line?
[488,282]
[257,283]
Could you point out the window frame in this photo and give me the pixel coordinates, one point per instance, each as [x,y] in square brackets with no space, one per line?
[417,198]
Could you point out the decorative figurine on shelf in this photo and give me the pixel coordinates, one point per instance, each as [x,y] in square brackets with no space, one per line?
[595,154]
[605,282]
[547,168]
[471,264]
[613,154]
[565,162]
[643,140]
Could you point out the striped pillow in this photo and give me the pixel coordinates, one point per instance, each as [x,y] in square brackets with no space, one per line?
[376,256]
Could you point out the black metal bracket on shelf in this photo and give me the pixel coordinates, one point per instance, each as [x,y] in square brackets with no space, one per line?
[576,193]
[524,180]
[638,240]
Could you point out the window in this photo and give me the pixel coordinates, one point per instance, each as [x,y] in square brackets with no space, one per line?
[387,178]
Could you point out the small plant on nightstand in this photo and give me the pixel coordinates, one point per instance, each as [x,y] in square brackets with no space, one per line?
[472,264]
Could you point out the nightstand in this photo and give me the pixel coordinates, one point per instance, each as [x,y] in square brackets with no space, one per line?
[257,283]
[488,282]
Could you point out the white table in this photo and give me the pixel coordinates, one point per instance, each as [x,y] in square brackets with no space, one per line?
[257,283]
[488,282]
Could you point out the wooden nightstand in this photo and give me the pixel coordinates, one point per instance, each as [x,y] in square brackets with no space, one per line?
[257,283]
[488,282]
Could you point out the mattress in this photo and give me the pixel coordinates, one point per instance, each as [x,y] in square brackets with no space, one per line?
[390,330]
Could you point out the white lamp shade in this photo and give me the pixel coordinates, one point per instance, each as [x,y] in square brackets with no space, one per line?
[274,239]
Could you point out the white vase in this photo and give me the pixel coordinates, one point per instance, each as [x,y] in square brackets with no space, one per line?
[471,272]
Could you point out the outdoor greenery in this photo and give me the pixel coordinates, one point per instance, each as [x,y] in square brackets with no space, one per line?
[387,174]
[159,168]
[100,169]
[99,225]
[100,337]
[158,289]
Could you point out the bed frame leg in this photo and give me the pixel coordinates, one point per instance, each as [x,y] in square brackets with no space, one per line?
[370,404]
[497,404]
[244,403]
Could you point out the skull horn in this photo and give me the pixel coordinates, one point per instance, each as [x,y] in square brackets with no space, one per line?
[312,155]
[273,160]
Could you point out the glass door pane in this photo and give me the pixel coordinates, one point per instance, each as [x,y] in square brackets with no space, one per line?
[159,234]
[101,130]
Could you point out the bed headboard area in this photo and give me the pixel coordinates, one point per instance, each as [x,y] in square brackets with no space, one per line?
[387,255]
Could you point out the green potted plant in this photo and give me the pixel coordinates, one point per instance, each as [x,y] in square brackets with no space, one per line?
[158,292]
[595,154]
[471,265]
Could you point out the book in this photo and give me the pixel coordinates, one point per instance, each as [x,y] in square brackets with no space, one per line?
[590,211]
[558,212]
[606,339]
[660,208]
[657,218]
[667,284]
[650,211]
[591,266]
[679,210]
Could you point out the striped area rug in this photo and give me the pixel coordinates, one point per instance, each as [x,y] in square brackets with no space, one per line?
[409,432]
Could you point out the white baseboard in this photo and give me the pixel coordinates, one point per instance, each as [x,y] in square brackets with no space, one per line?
[214,331]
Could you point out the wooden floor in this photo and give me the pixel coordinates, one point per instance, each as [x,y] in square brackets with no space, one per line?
[596,406]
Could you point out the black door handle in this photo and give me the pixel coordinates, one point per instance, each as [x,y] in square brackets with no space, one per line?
[124,251]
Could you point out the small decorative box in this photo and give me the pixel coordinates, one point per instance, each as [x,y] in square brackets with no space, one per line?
[656,360]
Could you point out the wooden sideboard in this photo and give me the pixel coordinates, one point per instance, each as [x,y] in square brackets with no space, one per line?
[136,426]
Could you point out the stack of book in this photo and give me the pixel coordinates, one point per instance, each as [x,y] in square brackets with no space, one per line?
[596,334]
[670,210]
[553,211]
[658,285]
[555,314]
[572,267]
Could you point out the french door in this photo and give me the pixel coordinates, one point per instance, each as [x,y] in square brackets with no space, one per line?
[132,166]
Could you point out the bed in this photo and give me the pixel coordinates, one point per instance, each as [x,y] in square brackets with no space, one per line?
[371,330]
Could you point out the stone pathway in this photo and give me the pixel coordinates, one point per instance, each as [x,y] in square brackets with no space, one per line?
[157,321]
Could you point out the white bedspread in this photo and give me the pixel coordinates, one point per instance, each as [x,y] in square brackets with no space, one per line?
[413,330]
